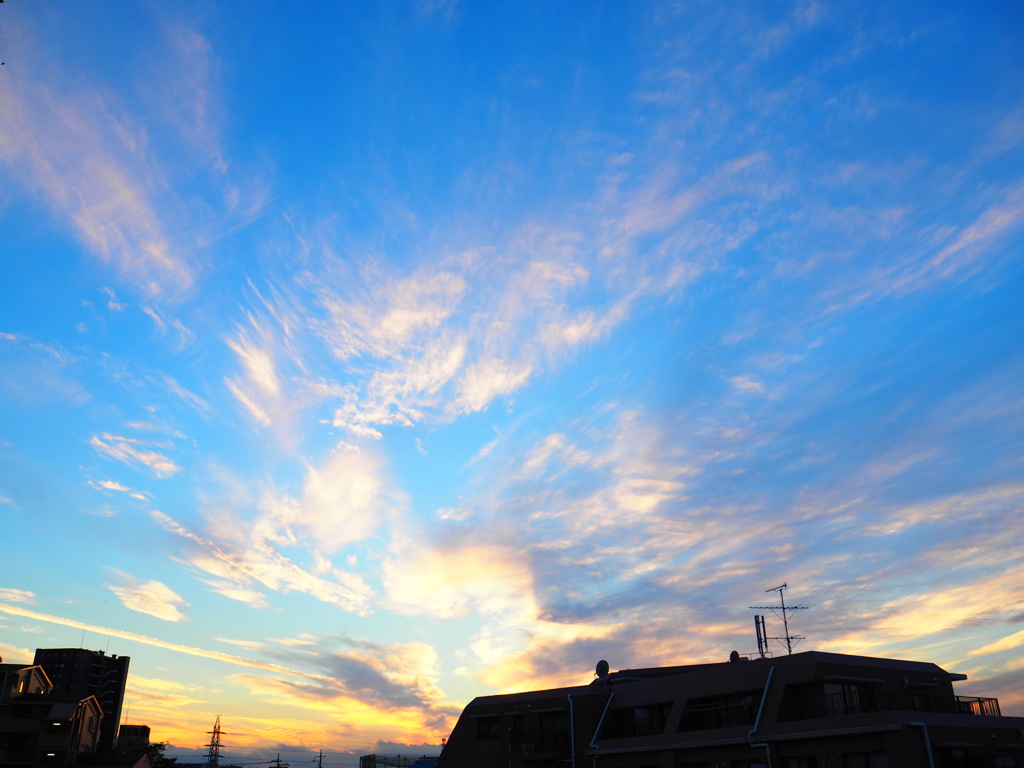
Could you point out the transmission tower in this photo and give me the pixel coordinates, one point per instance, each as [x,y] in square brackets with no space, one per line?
[213,755]
[781,611]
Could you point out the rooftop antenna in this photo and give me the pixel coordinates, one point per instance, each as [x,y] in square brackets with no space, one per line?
[213,755]
[781,611]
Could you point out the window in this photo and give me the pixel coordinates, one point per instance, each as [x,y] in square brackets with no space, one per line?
[866,760]
[629,722]
[1005,761]
[804,761]
[720,711]
[848,699]
[487,728]
[554,731]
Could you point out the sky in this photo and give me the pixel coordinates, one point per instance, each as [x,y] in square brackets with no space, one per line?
[357,359]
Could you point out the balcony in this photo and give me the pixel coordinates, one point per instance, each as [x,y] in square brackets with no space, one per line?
[705,715]
[813,705]
[541,742]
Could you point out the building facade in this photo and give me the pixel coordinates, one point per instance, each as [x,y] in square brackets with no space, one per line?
[80,672]
[39,727]
[808,710]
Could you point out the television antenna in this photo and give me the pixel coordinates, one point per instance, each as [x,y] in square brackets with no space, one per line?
[781,611]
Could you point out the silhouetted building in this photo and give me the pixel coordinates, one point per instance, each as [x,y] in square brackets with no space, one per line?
[808,710]
[132,737]
[78,671]
[397,761]
[39,727]
[134,759]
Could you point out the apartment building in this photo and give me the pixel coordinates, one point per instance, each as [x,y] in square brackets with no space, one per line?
[807,710]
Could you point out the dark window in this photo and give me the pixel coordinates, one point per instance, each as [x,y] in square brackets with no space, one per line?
[554,731]
[866,760]
[629,722]
[720,711]
[800,762]
[848,699]
[487,728]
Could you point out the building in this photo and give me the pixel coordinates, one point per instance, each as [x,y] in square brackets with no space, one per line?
[397,761]
[132,737]
[807,710]
[80,672]
[39,727]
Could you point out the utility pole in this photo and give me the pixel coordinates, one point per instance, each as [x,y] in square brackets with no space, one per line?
[320,759]
[781,611]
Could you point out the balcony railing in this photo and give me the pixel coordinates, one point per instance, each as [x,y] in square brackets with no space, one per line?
[531,742]
[867,700]
[719,714]
[977,705]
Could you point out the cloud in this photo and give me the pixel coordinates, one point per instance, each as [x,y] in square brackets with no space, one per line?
[152,641]
[747,384]
[35,372]
[151,597]
[11,595]
[127,450]
[113,304]
[1004,644]
[76,148]
[344,500]
[111,485]
[169,325]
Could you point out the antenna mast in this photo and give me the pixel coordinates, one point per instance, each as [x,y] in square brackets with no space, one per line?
[781,611]
[213,755]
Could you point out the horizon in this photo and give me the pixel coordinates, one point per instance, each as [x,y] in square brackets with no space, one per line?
[359,361]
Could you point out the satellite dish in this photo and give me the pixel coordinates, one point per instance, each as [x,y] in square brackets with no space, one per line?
[734,656]
[602,669]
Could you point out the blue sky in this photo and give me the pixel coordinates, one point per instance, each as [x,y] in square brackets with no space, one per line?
[356,361]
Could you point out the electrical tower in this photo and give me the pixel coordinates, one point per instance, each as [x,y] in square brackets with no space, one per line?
[213,755]
[781,611]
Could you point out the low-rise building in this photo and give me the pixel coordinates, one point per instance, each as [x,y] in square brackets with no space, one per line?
[42,728]
[807,710]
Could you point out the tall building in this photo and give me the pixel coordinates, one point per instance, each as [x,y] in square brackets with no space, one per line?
[89,673]
[808,710]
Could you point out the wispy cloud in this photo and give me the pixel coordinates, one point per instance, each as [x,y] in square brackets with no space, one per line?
[112,485]
[243,555]
[134,452]
[11,595]
[170,326]
[76,149]
[150,597]
[152,641]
